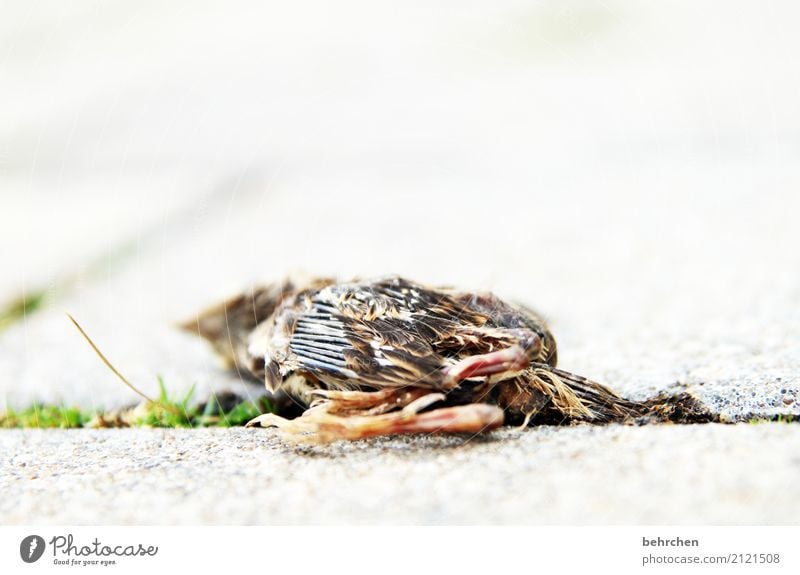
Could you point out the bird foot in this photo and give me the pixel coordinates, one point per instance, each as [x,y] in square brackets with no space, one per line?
[319,426]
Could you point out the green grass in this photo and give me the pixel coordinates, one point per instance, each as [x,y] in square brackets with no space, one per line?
[785,418]
[166,411]
[46,416]
[241,412]
[21,307]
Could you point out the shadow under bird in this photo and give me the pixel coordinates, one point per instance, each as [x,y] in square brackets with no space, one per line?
[388,356]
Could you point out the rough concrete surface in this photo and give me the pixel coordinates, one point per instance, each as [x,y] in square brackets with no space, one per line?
[714,474]
[629,171]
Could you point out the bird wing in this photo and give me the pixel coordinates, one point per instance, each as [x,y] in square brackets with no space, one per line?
[389,333]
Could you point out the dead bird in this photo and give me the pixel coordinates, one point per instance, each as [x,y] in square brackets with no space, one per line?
[387,356]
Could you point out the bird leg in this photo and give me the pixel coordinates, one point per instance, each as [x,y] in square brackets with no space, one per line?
[343,402]
[518,347]
[318,424]
[497,365]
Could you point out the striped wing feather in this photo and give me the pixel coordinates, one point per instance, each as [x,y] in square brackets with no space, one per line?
[389,333]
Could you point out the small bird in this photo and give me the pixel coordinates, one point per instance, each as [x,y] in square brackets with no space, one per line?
[379,357]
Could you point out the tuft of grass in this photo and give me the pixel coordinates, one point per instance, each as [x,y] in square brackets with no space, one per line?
[237,416]
[787,418]
[166,411]
[45,416]
[21,307]
[781,418]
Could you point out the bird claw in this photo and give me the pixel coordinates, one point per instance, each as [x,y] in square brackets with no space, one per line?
[264,420]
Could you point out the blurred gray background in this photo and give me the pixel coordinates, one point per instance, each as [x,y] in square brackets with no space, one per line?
[630,169]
